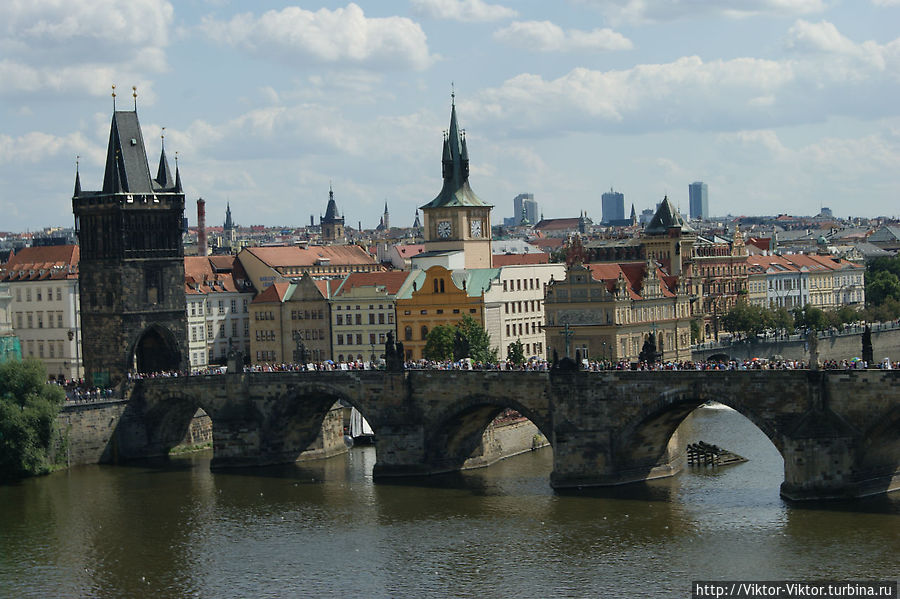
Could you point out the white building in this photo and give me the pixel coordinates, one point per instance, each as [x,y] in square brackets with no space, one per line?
[218,296]
[46,317]
[514,306]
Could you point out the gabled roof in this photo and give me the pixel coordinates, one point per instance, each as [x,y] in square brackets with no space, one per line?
[274,293]
[53,254]
[391,281]
[557,224]
[666,217]
[407,251]
[633,273]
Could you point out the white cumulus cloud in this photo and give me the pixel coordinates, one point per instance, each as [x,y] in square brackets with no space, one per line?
[73,45]
[462,10]
[642,11]
[545,36]
[343,35]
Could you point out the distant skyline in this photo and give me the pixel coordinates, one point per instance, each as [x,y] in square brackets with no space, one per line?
[780,106]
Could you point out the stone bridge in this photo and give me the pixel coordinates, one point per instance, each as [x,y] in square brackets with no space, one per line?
[838,431]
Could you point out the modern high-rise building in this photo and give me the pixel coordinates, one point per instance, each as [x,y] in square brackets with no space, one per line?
[613,204]
[524,204]
[699,200]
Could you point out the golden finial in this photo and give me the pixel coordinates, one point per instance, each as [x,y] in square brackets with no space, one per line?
[134,95]
[114,96]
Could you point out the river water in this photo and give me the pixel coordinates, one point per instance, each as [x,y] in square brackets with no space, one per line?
[325,529]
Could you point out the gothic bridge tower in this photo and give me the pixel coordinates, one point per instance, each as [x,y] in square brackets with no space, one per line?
[132,262]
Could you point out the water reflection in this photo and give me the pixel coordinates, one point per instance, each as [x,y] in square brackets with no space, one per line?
[175,529]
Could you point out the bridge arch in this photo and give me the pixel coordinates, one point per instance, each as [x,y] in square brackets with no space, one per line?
[879,453]
[647,440]
[457,431]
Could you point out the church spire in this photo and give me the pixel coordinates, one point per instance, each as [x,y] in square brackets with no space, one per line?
[77,178]
[177,175]
[229,225]
[163,174]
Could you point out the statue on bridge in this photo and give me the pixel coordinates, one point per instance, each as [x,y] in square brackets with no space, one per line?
[649,352]
[812,341]
[393,354]
[868,354]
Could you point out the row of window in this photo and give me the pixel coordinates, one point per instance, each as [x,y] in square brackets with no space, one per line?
[38,319]
[38,294]
[264,315]
[522,306]
[374,338]
[197,307]
[371,306]
[527,347]
[339,319]
[520,284]
[440,311]
[523,328]
[45,349]
[307,314]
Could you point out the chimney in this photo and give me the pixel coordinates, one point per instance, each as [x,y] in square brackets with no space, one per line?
[202,250]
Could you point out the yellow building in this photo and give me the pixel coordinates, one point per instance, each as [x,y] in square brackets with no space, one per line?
[363,313]
[606,312]
[431,298]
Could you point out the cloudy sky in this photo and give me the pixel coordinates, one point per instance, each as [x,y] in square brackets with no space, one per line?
[779,105]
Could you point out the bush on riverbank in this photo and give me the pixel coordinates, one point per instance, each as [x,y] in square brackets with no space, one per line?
[28,410]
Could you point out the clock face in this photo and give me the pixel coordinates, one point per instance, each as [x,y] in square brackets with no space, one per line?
[444,228]
[475,228]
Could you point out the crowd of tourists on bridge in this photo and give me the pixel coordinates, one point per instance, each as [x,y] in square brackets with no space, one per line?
[77,391]
[532,365]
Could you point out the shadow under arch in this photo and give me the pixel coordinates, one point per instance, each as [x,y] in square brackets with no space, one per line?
[154,349]
[459,431]
[647,446]
[306,423]
[876,459]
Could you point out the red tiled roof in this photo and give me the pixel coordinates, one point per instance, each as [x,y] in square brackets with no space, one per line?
[42,263]
[557,224]
[392,281]
[498,260]
[547,244]
[280,256]
[274,293]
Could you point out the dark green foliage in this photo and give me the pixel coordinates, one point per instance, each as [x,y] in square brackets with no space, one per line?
[515,352]
[782,320]
[810,317]
[441,342]
[881,286]
[695,330]
[28,410]
[747,318]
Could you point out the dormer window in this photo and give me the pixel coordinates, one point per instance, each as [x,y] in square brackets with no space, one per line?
[133,141]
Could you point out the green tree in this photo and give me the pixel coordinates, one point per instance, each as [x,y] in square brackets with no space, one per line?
[479,340]
[782,319]
[439,343]
[881,285]
[28,411]
[811,317]
[746,318]
[695,330]
[515,353]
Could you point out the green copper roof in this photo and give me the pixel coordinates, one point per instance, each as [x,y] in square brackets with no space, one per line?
[455,160]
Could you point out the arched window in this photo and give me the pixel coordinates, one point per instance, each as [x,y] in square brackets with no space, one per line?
[340,357]
[435,285]
[442,285]
[407,333]
[424,332]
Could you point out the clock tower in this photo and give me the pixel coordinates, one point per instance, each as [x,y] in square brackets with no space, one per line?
[457,219]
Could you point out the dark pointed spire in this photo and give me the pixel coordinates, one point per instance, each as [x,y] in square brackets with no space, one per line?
[229,225]
[455,163]
[163,174]
[77,178]
[177,175]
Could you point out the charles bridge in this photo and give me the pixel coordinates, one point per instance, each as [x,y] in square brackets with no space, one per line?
[838,431]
